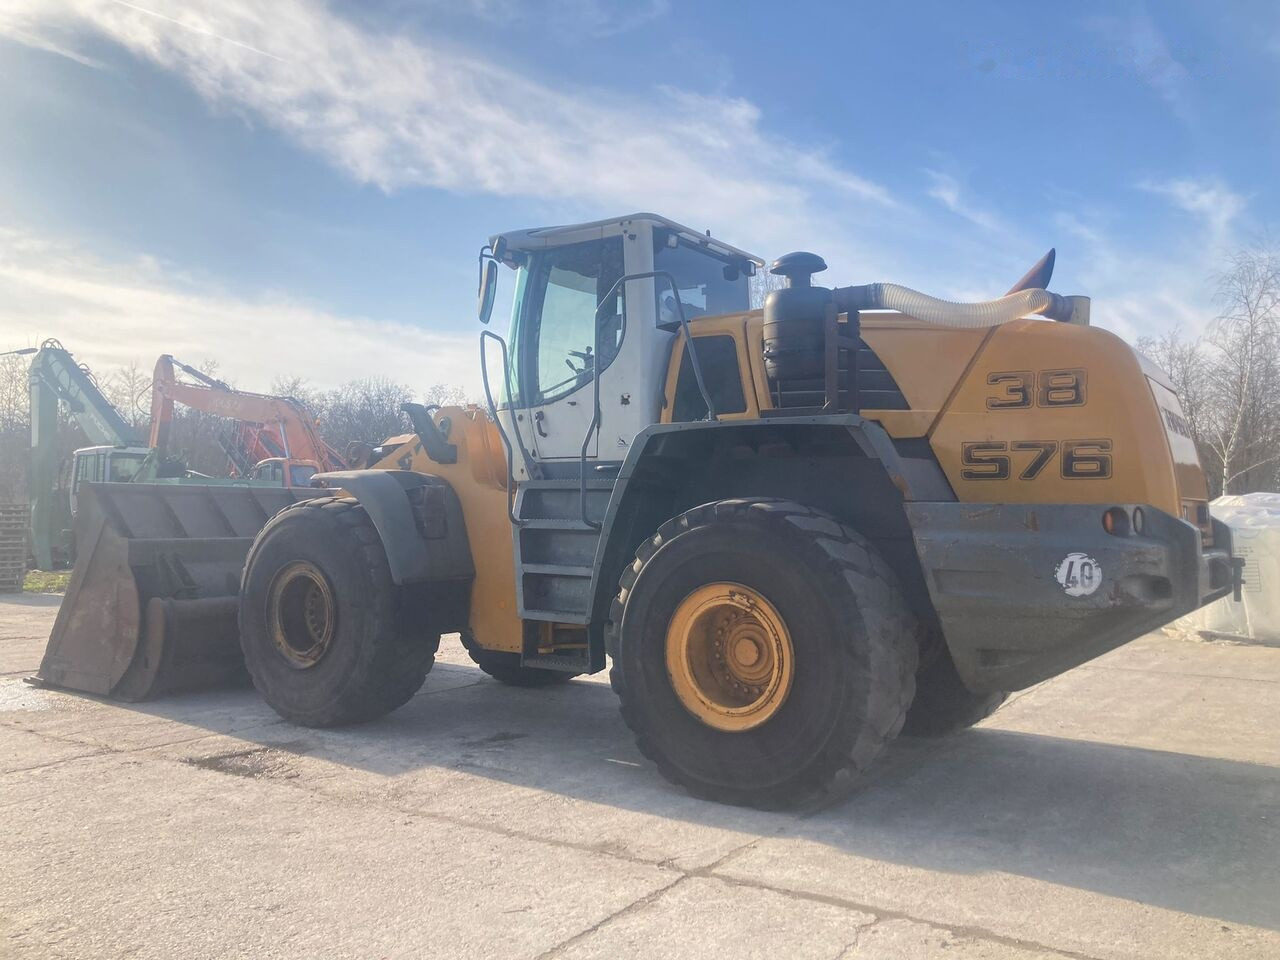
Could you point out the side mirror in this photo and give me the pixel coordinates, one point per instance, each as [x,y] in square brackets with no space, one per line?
[488,287]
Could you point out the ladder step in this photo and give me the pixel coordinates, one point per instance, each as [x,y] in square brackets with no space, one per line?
[570,525]
[555,616]
[559,570]
[564,483]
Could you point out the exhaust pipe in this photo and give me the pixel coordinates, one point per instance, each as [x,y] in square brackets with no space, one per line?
[152,604]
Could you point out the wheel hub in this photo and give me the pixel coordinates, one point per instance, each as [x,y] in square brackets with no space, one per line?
[729,656]
[301,614]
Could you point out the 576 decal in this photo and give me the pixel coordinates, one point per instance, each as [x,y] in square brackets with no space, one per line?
[997,459]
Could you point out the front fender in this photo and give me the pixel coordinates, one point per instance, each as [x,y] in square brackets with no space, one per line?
[417,516]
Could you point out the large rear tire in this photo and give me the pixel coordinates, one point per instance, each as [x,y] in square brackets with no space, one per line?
[943,704]
[762,652]
[327,636]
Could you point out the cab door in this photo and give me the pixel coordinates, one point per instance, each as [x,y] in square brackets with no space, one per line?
[576,323]
[88,469]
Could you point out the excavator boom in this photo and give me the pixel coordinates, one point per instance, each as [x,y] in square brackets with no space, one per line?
[279,420]
[56,379]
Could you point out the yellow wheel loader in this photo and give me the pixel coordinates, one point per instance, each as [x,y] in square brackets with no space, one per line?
[794,531]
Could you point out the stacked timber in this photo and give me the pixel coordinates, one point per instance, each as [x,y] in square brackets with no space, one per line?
[13,546]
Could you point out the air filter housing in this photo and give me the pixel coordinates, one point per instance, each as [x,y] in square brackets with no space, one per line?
[796,319]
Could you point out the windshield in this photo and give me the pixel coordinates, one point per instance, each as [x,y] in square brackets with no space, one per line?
[124,466]
[707,283]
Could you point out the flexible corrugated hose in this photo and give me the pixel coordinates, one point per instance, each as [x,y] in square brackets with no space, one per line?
[946,313]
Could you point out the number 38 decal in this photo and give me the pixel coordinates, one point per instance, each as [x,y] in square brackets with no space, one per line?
[995,459]
[1020,389]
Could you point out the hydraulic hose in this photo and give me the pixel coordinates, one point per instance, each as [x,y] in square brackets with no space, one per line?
[986,313]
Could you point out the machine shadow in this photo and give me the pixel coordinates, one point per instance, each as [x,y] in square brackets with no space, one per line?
[1133,823]
[32,599]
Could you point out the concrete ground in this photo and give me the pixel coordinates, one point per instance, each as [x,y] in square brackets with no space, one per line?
[1130,808]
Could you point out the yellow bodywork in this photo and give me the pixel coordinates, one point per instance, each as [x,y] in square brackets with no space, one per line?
[1029,412]
[479,477]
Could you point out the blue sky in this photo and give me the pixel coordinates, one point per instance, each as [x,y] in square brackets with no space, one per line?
[301,187]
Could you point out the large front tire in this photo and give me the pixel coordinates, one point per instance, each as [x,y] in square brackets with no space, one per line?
[328,637]
[762,652]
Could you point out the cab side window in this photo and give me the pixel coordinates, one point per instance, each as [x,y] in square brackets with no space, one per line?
[718,359]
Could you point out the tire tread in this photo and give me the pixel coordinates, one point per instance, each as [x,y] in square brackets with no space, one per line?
[893,634]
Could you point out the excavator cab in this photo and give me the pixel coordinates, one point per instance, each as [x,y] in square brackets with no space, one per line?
[285,471]
[105,464]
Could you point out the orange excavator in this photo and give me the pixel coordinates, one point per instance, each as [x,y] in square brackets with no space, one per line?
[275,438]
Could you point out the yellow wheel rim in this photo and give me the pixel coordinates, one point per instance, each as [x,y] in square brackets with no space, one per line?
[729,656]
[301,614]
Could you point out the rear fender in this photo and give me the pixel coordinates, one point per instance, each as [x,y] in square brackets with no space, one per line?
[652,485]
[418,518]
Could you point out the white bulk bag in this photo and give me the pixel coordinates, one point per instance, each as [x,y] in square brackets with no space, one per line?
[1254,519]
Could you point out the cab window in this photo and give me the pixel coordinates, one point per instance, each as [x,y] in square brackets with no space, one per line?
[707,284]
[269,471]
[300,474]
[718,360]
[561,302]
[123,467]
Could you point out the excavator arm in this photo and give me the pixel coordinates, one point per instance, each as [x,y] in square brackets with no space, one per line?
[280,421]
[57,380]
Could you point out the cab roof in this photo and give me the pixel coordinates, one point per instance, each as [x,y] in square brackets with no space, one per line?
[540,238]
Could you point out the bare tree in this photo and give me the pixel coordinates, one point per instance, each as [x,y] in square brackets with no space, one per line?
[447,395]
[1240,416]
[367,410]
[15,427]
[762,283]
[129,391]
[297,388]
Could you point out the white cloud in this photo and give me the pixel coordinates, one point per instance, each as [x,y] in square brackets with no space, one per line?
[400,110]
[1136,292]
[591,18]
[112,314]
[395,110]
[1209,199]
[1137,44]
[946,190]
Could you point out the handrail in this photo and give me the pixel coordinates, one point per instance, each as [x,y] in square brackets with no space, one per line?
[594,426]
[493,412]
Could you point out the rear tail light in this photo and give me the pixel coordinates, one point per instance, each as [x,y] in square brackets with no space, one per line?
[1116,522]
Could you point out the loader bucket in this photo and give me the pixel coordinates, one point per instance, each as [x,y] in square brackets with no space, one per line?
[152,604]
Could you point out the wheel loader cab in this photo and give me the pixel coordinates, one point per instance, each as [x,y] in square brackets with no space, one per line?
[574,318]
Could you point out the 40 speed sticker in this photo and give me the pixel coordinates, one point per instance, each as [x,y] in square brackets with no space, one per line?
[1079,574]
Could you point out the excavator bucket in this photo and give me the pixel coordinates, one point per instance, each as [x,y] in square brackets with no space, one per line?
[152,604]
